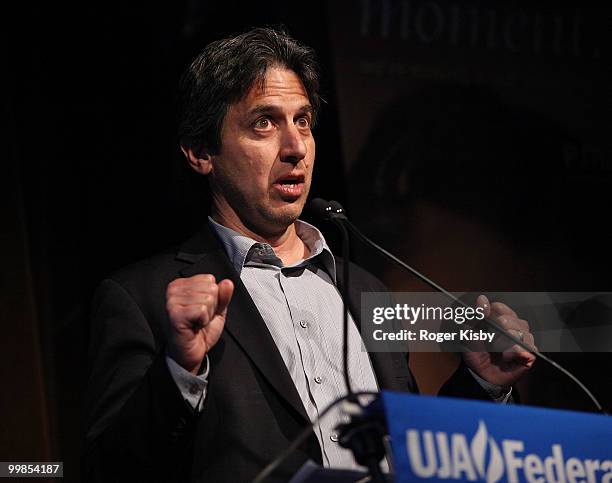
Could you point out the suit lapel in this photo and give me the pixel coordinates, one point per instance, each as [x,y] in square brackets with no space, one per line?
[244,322]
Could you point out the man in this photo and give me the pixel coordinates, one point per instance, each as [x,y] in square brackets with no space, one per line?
[208,360]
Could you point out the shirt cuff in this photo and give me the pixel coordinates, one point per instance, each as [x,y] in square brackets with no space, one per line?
[193,388]
[497,393]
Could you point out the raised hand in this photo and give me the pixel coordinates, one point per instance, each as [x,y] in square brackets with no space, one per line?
[506,367]
[197,307]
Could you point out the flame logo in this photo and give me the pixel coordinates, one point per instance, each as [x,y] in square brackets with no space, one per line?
[478,447]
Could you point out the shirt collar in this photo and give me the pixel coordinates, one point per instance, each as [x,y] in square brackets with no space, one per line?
[242,250]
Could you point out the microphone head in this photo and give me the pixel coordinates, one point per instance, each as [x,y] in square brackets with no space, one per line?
[321,208]
[337,209]
[327,209]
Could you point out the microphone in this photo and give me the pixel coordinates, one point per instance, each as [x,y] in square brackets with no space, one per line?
[333,211]
[327,210]
[363,437]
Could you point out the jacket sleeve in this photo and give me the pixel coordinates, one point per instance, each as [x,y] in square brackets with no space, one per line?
[462,384]
[139,427]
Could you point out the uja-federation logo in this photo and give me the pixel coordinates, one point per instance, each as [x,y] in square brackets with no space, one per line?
[440,456]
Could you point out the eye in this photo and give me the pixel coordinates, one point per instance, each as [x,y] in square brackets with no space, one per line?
[303,122]
[263,123]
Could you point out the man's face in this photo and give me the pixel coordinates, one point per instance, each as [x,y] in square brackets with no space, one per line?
[262,174]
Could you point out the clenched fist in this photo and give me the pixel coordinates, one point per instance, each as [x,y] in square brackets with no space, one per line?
[197,307]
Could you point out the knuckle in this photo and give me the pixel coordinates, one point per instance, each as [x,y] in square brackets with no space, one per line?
[204,277]
[173,312]
[207,300]
[497,306]
[172,301]
[502,308]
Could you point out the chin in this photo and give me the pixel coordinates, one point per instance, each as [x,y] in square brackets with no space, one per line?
[283,218]
[287,218]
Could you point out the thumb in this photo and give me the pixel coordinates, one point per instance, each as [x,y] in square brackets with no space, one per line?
[226,289]
[483,301]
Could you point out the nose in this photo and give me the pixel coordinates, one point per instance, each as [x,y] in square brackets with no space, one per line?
[293,145]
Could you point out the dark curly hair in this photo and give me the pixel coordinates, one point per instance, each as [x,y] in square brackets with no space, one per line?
[223,74]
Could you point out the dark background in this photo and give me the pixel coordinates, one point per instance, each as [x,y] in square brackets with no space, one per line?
[93,177]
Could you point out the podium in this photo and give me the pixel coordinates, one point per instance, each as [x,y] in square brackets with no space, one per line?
[447,439]
[438,439]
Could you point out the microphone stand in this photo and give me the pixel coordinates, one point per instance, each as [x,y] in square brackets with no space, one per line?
[362,435]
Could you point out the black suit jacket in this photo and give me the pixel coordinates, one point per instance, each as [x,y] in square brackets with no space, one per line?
[139,426]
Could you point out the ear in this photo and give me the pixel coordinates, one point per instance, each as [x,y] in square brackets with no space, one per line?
[199,160]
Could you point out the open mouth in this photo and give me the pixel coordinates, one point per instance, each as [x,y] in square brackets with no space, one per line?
[290,186]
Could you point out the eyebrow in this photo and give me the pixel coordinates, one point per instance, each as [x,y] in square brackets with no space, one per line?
[270,109]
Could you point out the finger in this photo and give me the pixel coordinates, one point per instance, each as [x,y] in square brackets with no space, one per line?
[226,289]
[200,277]
[521,324]
[192,288]
[193,299]
[530,341]
[499,308]
[522,353]
[518,356]
[192,317]
[527,339]
[208,300]
[509,322]
[483,301]
[520,329]
[515,327]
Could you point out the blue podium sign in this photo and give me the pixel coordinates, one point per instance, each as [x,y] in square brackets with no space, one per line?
[447,439]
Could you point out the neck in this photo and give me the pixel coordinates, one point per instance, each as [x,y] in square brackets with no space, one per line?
[287,245]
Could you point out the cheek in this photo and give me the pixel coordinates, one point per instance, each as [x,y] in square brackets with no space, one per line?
[311,148]
[251,161]
[259,159]
[310,157]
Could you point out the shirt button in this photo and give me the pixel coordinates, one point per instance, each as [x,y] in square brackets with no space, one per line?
[334,437]
[303,324]
[318,379]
